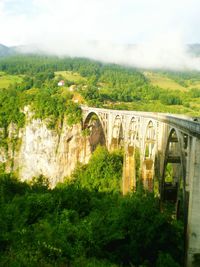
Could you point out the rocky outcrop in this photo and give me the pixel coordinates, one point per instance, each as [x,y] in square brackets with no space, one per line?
[39,150]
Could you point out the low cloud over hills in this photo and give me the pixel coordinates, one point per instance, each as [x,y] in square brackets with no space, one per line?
[159,55]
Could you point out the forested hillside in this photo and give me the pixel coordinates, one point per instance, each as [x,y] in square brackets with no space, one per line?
[99,84]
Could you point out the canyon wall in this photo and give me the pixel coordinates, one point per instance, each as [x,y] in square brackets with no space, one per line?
[35,150]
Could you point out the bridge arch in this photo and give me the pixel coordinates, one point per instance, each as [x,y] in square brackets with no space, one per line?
[150,140]
[133,132]
[173,178]
[88,118]
[148,155]
[117,133]
[130,156]
[93,124]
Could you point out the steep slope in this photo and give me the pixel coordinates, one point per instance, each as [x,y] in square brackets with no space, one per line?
[39,150]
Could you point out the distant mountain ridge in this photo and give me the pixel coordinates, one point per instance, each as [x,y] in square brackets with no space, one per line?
[21,49]
[6,51]
[193,49]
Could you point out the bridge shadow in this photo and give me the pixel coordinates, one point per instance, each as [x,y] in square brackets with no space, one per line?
[95,131]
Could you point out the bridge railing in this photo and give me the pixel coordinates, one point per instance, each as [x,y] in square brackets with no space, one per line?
[183,122]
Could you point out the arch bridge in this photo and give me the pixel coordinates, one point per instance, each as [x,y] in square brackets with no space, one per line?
[164,151]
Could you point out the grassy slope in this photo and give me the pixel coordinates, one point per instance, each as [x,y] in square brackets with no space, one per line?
[160,80]
[6,79]
[70,76]
[164,82]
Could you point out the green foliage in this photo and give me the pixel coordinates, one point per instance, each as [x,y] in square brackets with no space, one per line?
[85,222]
[10,108]
[196,260]
[103,84]
[10,187]
[170,99]
[47,104]
[73,112]
[195,93]
[169,173]
[10,113]
[92,95]
[6,80]
[137,164]
[85,132]
[103,173]
[165,260]
[40,182]
[182,77]
[71,226]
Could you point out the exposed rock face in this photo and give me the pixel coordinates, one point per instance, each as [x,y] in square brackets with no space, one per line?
[47,152]
[97,136]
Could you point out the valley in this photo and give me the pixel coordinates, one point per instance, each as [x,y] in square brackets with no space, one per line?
[68,173]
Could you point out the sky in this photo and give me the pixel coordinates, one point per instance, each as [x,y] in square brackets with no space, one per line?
[101,29]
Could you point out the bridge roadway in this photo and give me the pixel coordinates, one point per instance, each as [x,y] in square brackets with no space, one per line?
[162,141]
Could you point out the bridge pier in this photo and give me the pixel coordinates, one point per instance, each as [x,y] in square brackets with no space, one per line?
[147,174]
[193,227]
[129,171]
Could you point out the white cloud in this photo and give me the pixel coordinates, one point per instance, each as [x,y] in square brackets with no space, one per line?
[65,26]
[114,20]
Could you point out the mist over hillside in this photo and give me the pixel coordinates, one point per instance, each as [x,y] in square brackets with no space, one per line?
[5,51]
[194,49]
[155,55]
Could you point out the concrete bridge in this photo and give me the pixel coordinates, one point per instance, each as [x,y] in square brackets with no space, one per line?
[162,151]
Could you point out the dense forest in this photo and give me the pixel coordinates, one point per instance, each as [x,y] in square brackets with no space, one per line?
[107,85]
[86,221]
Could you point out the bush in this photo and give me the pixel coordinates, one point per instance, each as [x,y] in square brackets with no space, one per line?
[103,173]
[170,99]
[74,113]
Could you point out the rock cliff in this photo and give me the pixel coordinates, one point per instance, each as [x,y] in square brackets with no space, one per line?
[36,150]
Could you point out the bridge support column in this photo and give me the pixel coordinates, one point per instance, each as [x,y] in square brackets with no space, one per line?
[147,174]
[193,229]
[129,170]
